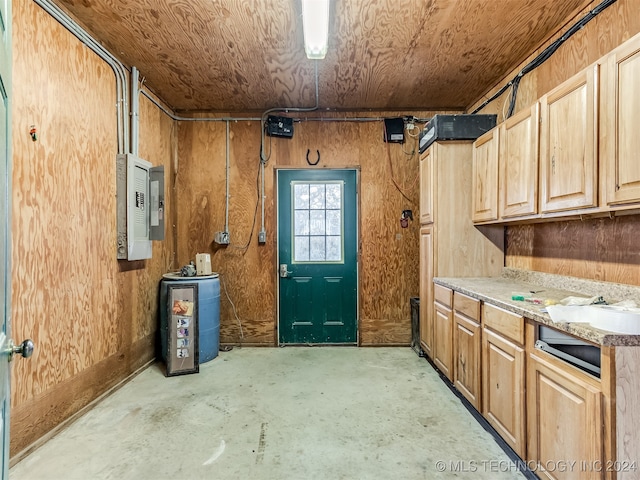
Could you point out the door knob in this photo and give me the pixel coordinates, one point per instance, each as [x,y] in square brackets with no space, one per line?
[25,349]
[284,273]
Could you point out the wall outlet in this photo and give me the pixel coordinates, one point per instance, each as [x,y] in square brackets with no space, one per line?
[222,238]
[262,236]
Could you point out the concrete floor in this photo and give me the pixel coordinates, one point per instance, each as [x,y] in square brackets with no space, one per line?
[278,413]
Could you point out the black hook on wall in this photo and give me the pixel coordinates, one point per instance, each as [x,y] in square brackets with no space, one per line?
[317,161]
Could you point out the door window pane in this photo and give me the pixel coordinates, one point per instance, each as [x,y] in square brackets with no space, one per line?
[317,194]
[334,248]
[334,196]
[301,223]
[317,221]
[334,223]
[301,195]
[301,246]
[317,250]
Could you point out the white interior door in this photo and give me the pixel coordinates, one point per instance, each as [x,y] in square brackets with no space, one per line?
[5,231]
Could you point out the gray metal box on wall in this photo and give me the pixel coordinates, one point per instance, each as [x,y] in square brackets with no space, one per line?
[140,206]
[156,195]
[455,127]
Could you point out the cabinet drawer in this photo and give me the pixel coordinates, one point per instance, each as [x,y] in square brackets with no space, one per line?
[508,324]
[467,305]
[443,295]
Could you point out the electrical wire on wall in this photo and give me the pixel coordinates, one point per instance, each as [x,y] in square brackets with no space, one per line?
[233,307]
[393,180]
[245,247]
[410,127]
[266,113]
[543,57]
[264,159]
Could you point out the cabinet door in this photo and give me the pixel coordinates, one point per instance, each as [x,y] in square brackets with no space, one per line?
[466,341]
[503,389]
[568,144]
[518,159]
[426,185]
[426,291]
[485,177]
[564,421]
[442,339]
[620,120]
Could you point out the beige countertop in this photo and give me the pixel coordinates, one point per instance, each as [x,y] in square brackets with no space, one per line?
[498,291]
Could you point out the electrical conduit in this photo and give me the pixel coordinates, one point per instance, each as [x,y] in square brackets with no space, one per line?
[117,67]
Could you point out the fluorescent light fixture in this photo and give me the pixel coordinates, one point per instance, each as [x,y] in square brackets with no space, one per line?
[315,22]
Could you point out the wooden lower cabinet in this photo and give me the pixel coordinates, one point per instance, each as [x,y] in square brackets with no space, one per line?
[426,290]
[442,339]
[557,418]
[503,382]
[565,421]
[467,347]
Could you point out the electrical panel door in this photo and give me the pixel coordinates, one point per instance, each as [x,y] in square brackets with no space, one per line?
[140,206]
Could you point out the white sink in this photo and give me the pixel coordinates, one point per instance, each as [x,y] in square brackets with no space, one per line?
[603,318]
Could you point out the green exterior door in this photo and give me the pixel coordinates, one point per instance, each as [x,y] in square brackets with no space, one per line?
[317,256]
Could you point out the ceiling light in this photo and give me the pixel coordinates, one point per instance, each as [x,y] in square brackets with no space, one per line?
[315,22]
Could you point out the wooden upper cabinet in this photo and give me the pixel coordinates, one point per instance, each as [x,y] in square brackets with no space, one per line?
[518,158]
[569,144]
[485,177]
[426,186]
[620,117]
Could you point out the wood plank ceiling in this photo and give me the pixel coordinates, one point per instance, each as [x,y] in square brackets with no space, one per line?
[248,55]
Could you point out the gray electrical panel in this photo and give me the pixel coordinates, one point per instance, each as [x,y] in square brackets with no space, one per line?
[140,206]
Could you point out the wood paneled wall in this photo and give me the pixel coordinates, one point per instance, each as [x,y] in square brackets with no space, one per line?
[389,254]
[602,249]
[93,319]
[247,274]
